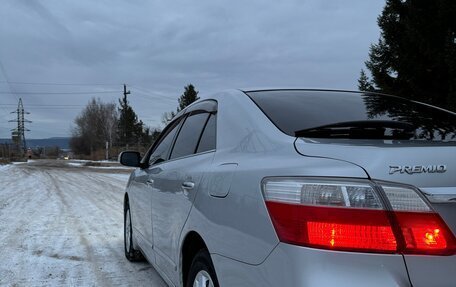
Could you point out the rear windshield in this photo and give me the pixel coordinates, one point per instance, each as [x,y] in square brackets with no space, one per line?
[319,114]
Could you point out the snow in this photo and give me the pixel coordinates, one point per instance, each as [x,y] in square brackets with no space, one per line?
[75,163]
[4,167]
[102,164]
[63,226]
[112,167]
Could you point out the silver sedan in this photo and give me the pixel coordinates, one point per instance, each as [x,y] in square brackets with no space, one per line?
[297,188]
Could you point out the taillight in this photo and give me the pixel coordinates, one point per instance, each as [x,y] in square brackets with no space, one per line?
[355,216]
[421,229]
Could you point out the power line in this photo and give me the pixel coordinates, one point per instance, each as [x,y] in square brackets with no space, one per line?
[154,98]
[6,77]
[59,93]
[151,96]
[45,105]
[54,108]
[57,84]
[151,93]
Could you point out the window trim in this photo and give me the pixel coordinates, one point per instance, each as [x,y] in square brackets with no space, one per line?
[209,106]
[195,112]
[185,117]
[145,161]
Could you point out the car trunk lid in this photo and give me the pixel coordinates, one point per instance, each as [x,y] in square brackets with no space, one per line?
[430,167]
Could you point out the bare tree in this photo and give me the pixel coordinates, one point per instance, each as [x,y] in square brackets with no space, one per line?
[94,126]
[167,117]
[109,121]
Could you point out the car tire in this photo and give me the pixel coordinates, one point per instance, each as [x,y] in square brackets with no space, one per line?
[132,254]
[202,272]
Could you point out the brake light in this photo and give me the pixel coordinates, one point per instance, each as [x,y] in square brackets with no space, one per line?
[332,227]
[352,236]
[425,234]
[352,216]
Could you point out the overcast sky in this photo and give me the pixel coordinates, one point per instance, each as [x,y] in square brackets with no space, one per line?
[51,50]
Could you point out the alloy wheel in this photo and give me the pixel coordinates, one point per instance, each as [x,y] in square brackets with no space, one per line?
[203,279]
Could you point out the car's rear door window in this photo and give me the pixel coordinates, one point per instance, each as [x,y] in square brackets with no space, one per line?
[189,135]
[208,138]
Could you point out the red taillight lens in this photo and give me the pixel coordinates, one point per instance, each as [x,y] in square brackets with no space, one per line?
[339,215]
[425,233]
[351,236]
[333,228]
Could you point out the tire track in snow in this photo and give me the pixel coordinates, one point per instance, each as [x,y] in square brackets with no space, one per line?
[65,229]
[23,221]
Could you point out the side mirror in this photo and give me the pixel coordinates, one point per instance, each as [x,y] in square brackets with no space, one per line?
[130,158]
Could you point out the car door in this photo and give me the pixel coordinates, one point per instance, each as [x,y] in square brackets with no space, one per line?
[142,188]
[176,184]
[140,206]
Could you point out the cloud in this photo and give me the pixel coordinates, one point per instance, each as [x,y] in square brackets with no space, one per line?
[160,46]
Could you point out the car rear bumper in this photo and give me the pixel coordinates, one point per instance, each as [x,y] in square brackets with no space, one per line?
[290,265]
[435,271]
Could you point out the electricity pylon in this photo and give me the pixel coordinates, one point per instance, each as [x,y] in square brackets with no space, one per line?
[18,134]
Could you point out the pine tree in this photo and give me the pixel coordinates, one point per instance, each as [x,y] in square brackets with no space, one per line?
[364,83]
[415,56]
[188,97]
[129,128]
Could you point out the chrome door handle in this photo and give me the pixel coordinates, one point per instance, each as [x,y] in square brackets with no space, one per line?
[150,182]
[188,185]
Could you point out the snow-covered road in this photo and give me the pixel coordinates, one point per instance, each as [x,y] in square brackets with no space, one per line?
[62,225]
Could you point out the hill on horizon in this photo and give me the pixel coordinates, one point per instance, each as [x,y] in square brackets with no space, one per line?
[61,142]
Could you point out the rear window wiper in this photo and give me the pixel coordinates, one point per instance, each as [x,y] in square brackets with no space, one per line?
[368,129]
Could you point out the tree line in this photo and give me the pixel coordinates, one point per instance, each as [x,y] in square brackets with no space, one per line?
[109,127]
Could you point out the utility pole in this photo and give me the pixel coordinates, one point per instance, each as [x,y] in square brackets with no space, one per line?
[18,134]
[125,93]
[107,151]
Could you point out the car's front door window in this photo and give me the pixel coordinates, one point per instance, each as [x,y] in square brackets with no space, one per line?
[161,152]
